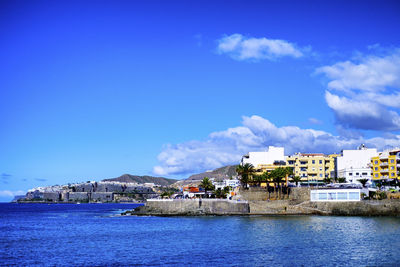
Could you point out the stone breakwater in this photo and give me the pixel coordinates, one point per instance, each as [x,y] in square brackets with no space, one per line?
[191,207]
[198,207]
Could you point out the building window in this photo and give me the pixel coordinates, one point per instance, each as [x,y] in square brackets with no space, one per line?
[320,175]
[392,174]
[313,162]
[354,195]
[392,167]
[376,168]
[392,161]
[320,162]
[320,169]
[376,175]
[322,196]
[357,173]
[376,162]
[364,173]
[350,174]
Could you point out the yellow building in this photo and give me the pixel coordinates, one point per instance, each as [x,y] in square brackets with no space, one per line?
[386,165]
[312,166]
[262,168]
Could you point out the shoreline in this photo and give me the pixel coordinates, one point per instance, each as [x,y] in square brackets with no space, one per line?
[213,207]
[78,203]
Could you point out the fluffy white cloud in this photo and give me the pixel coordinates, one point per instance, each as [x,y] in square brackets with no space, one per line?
[256,134]
[365,95]
[362,114]
[242,48]
[371,74]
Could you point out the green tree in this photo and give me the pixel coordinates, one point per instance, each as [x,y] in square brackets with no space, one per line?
[379,185]
[277,175]
[363,181]
[341,180]
[289,173]
[296,179]
[245,172]
[257,179]
[207,185]
[328,180]
[222,193]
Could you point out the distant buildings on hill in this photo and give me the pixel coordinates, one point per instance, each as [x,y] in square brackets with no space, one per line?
[104,191]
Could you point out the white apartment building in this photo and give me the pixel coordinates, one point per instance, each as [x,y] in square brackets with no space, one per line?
[355,164]
[265,157]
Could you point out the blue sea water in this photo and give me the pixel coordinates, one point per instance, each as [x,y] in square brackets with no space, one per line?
[92,235]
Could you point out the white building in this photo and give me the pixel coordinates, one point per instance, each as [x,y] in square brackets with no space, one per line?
[337,195]
[227,182]
[355,164]
[232,183]
[265,157]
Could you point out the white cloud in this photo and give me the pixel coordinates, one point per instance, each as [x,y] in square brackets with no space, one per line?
[362,114]
[314,121]
[365,94]
[256,134]
[242,48]
[8,193]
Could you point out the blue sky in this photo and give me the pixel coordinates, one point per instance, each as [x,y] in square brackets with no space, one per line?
[94,89]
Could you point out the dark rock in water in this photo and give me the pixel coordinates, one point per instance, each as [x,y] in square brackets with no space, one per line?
[16,198]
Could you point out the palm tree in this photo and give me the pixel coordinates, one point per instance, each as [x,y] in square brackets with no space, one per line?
[258,179]
[363,181]
[245,172]
[267,178]
[296,179]
[341,180]
[328,180]
[277,175]
[289,172]
[207,185]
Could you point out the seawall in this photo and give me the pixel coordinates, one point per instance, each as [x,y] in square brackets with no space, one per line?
[191,207]
[257,201]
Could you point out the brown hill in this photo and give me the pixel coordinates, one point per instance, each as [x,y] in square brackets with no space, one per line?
[219,175]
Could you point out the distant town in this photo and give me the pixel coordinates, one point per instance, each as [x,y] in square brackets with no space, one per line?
[363,169]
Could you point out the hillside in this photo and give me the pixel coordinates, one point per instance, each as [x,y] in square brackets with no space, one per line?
[128,178]
[219,174]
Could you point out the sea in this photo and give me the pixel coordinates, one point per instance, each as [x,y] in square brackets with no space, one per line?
[95,235]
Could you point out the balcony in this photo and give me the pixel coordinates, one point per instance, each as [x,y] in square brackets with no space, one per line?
[384,164]
[384,170]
